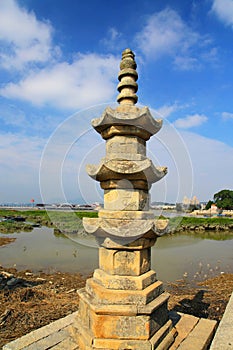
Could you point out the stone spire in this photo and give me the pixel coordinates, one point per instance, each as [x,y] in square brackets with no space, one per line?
[127,76]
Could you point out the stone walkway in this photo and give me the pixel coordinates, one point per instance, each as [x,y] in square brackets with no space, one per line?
[193,334]
[224,336]
[58,335]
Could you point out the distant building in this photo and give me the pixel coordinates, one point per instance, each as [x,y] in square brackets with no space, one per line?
[188,204]
[214,209]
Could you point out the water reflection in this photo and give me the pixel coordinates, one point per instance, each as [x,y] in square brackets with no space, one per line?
[173,257]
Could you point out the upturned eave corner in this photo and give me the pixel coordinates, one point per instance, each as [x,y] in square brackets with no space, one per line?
[125,228]
[137,117]
[132,170]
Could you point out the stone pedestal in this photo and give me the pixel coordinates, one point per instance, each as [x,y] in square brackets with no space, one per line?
[124,306]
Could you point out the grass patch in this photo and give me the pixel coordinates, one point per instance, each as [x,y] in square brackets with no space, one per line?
[66,221]
[186,220]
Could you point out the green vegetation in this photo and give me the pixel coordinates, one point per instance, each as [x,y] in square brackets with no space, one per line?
[223,199]
[208,205]
[71,222]
[187,220]
[218,228]
[12,227]
[64,221]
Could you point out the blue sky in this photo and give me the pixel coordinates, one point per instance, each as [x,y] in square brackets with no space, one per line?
[59,64]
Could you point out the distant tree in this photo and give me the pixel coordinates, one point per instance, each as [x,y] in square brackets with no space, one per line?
[208,205]
[193,207]
[224,199]
[179,207]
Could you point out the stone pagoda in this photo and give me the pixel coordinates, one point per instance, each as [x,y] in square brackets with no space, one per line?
[124,306]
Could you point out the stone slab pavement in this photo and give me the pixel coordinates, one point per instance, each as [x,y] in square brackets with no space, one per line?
[193,334]
[57,335]
[223,339]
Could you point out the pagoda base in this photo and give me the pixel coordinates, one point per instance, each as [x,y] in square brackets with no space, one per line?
[124,326]
[124,306]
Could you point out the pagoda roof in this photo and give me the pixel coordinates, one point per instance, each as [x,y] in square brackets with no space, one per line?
[130,169]
[131,116]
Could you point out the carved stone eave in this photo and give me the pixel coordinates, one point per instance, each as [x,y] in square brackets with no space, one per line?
[131,170]
[124,228]
[132,116]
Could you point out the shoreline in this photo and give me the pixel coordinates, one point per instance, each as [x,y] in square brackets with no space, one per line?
[68,221]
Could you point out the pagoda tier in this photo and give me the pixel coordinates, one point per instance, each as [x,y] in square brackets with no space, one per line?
[102,227]
[137,121]
[119,169]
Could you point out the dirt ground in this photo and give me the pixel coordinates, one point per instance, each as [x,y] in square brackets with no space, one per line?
[29,301]
[6,240]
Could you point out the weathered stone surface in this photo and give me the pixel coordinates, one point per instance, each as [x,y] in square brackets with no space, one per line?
[130,130]
[123,147]
[140,118]
[124,282]
[120,344]
[104,309]
[126,199]
[184,326]
[125,262]
[123,327]
[150,344]
[117,169]
[128,309]
[127,243]
[85,337]
[127,77]
[224,336]
[161,226]
[160,300]
[49,335]
[124,229]
[200,337]
[125,184]
[126,215]
[161,334]
[102,295]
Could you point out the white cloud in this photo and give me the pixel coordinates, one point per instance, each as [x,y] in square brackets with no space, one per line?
[166,110]
[227,115]
[190,121]
[187,63]
[224,11]
[165,33]
[23,37]
[89,80]
[211,164]
[19,167]
[114,40]
[10,115]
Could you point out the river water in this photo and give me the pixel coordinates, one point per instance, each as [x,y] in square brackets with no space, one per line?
[173,257]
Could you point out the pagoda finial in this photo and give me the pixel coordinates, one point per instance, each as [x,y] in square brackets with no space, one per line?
[127,76]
